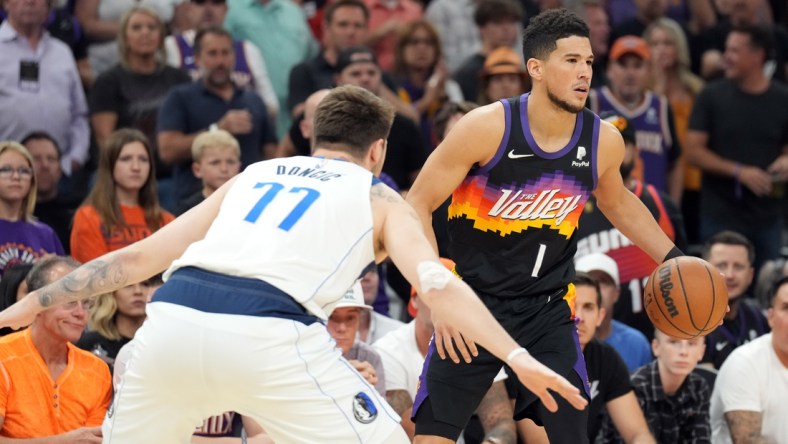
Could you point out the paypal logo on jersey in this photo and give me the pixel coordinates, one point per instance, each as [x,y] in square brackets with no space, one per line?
[531,206]
[581,153]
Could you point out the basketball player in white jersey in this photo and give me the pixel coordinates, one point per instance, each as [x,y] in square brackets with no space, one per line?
[253,271]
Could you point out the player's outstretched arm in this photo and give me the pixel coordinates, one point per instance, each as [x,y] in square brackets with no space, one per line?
[624,210]
[119,268]
[397,233]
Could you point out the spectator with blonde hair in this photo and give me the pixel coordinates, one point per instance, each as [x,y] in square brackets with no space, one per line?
[123,206]
[114,320]
[217,159]
[22,238]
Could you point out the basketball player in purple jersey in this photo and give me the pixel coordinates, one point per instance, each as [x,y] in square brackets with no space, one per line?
[520,171]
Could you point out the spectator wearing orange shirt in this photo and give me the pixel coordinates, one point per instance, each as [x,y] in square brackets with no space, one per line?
[123,206]
[49,387]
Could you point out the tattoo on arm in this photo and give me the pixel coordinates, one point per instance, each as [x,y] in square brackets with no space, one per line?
[745,427]
[399,400]
[95,277]
[495,413]
[382,191]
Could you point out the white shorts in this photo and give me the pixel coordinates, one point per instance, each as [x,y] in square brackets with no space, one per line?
[188,365]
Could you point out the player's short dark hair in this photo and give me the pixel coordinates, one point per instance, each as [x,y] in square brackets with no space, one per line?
[495,11]
[41,135]
[351,119]
[729,237]
[332,8]
[760,38]
[210,30]
[582,278]
[539,38]
[38,277]
[773,293]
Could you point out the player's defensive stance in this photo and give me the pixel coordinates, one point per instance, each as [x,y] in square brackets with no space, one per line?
[253,271]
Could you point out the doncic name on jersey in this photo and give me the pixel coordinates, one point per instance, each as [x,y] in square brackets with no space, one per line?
[554,199]
[312,173]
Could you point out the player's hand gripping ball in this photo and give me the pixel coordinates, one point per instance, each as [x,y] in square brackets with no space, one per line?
[686,297]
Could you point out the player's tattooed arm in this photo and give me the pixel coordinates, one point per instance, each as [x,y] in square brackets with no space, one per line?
[95,277]
[399,400]
[495,413]
[745,427]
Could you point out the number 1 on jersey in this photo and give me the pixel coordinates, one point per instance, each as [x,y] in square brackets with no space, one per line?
[274,189]
[539,259]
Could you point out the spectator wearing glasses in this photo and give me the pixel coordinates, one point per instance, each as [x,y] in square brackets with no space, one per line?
[22,238]
[52,388]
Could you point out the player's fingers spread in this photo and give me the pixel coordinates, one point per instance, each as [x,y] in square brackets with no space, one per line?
[471,347]
[459,342]
[438,340]
[449,346]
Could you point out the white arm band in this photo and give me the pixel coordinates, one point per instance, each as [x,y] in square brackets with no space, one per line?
[512,354]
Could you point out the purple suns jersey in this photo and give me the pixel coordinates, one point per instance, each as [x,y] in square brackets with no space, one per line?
[241,75]
[512,222]
[652,132]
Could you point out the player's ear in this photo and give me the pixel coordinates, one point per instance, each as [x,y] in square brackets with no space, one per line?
[377,152]
[535,68]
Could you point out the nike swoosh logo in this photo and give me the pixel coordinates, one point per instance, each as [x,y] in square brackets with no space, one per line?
[518,156]
[720,345]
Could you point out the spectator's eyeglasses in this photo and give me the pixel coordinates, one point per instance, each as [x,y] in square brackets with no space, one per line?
[6,171]
[87,304]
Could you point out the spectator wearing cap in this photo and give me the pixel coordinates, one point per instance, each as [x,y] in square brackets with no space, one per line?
[51,389]
[403,352]
[503,76]
[631,344]
[406,152]
[632,266]
[343,325]
[499,24]
[628,95]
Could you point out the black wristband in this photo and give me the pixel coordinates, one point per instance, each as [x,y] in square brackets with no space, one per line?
[674,252]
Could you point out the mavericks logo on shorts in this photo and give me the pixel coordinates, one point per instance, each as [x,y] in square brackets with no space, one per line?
[364,409]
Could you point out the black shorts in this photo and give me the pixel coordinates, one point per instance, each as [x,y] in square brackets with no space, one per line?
[545,326]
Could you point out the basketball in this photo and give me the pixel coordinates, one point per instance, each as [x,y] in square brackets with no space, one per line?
[685,297]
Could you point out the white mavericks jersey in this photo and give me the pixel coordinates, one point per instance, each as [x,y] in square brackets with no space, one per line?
[301,224]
